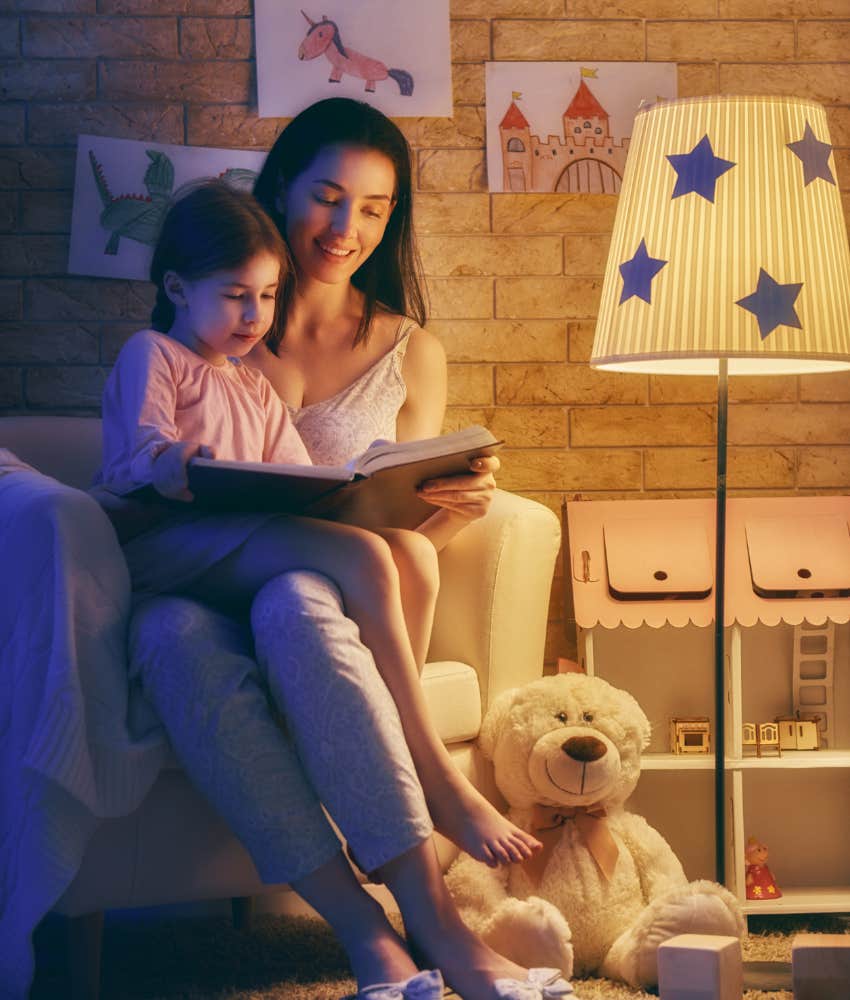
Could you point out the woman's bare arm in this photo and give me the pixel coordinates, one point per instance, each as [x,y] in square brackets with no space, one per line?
[461,499]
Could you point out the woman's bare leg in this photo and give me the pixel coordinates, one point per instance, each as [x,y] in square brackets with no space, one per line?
[361,565]
[433,923]
[376,952]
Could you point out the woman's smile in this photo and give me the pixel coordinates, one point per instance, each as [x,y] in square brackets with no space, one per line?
[333,250]
[337,210]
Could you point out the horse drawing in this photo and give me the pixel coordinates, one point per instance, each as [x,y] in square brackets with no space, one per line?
[323,37]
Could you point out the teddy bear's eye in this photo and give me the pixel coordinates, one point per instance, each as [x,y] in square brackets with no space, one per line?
[561,716]
[587,716]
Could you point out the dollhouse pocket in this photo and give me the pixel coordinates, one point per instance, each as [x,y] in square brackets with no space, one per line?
[793,557]
[657,558]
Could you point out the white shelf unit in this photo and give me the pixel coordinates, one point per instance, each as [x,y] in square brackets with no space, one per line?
[661,650]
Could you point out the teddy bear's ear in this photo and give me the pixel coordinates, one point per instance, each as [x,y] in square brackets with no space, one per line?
[493,722]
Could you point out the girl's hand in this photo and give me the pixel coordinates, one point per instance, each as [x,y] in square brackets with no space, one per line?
[169,469]
[468,496]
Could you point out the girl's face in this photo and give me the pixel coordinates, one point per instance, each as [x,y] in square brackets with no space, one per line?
[337,210]
[225,313]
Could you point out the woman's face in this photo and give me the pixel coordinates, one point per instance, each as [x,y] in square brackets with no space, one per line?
[337,210]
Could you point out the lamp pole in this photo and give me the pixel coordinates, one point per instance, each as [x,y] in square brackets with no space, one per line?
[719,636]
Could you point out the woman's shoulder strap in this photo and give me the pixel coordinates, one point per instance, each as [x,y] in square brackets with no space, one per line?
[405,328]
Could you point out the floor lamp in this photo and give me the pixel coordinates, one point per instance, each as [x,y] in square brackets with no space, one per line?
[729,256]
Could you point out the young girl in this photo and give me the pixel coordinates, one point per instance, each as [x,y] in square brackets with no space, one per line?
[180,390]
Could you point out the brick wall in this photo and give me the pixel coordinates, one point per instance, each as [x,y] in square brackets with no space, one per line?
[514,279]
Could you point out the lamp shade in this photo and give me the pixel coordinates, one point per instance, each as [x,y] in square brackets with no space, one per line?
[729,241]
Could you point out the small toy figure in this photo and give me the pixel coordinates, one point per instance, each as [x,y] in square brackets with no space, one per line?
[759,878]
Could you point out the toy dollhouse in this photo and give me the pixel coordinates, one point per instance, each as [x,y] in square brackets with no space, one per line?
[641,595]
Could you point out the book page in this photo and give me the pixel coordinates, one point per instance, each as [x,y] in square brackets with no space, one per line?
[393,453]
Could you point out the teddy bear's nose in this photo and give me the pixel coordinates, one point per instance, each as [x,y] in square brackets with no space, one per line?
[584,748]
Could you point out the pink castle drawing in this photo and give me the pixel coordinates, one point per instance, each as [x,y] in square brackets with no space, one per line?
[587,159]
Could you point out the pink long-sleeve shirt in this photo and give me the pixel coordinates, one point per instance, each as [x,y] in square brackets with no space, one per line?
[160,392]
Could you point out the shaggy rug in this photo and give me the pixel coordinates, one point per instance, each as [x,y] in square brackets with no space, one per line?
[297,958]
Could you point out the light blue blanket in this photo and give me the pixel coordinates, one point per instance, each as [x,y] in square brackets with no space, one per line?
[77,741]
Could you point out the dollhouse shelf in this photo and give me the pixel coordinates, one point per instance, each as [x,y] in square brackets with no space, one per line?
[828,899]
[794,759]
[676,762]
[642,593]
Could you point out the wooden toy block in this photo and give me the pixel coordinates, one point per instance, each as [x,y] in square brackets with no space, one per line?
[820,966]
[700,967]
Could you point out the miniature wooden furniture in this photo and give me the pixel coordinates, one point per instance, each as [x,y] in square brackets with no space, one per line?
[691,734]
[764,738]
[786,653]
[820,966]
[798,734]
[768,739]
[700,967]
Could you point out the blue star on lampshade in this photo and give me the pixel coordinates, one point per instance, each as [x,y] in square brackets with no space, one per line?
[638,274]
[814,155]
[772,304]
[698,170]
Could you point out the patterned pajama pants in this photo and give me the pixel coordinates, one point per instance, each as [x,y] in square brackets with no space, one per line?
[219,694]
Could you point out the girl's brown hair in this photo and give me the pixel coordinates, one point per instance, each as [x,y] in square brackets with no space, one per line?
[211,227]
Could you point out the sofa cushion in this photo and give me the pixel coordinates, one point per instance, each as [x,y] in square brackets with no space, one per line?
[453,696]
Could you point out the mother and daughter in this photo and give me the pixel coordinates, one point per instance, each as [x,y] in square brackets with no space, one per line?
[287,328]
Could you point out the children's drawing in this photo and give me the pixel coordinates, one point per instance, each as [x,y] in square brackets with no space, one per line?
[135,216]
[323,38]
[139,216]
[394,54]
[565,127]
[122,190]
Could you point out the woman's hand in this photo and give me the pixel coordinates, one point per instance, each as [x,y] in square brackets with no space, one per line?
[468,496]
[169,469]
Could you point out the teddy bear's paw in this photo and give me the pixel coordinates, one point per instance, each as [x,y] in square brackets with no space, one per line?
[699,908]
[531,932]
[723,913]
[623,959]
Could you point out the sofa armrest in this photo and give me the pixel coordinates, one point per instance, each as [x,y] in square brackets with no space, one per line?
[495,584]
[66,448]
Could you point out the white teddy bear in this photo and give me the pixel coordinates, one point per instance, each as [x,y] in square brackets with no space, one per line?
[607,888]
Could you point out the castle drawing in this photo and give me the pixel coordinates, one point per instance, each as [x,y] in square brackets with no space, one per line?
[586,159]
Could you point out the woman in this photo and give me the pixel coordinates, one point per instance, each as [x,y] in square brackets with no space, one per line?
[353,368]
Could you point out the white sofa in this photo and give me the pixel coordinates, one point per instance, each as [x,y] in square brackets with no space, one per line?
[489,635]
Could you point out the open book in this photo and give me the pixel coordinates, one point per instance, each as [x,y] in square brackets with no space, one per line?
[377,489]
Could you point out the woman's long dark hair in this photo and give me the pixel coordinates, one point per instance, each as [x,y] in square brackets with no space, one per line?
[392,276]
[211,227]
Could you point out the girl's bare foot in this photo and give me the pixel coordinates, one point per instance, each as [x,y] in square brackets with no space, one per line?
[461,813]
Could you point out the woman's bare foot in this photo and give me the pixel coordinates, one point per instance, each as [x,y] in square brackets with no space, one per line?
[435,929]
[377,953]
[468,965]
[379,957]
[461,813]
